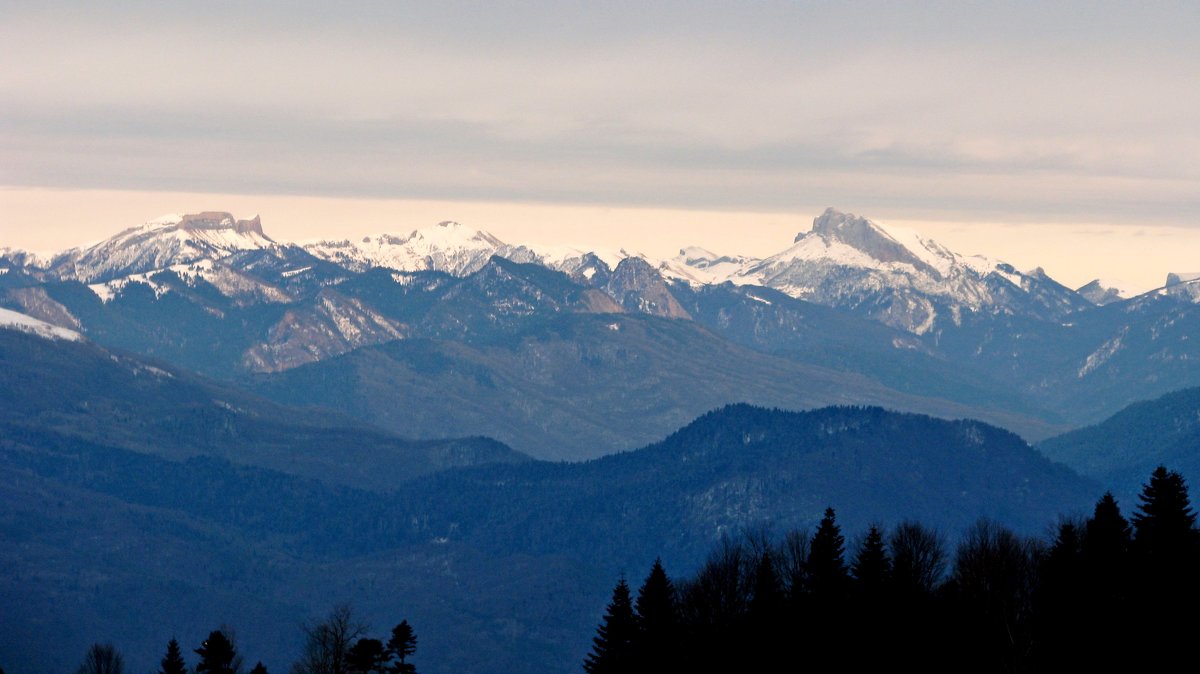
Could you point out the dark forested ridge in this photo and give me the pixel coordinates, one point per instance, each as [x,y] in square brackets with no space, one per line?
[1135,440]
[744,465]
[501,563]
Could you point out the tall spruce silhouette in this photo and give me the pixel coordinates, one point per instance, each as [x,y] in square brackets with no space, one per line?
[1165,558]
[1106,541]
[872,602]
[827,573]
[657,616]
[1107,576]
[1061,598]
[872,568]
[822,619]
[1164,523]
[172,662]
[612,645]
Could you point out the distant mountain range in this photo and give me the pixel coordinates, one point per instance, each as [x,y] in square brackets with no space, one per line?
[475,333]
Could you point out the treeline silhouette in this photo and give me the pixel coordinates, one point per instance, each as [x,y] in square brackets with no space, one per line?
[338,644]
[1099,594]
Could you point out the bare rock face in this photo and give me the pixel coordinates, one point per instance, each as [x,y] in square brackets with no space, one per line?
[331,326]
[1099,294]
[639,288]
[218,220]
[1183,286]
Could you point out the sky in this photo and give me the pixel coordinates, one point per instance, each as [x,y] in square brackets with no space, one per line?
[1055,134]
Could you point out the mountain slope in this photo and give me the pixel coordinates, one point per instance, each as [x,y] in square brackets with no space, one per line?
[575,386]
[52,390]
[1124,449]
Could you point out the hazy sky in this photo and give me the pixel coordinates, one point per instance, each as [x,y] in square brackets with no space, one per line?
[1018,127]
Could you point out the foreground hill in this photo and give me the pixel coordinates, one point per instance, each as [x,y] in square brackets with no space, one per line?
[500,567]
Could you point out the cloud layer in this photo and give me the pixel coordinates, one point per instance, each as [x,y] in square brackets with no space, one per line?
[1020,112]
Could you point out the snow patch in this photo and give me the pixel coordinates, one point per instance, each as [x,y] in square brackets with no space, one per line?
[293,272]
[1101,355]
[13,320]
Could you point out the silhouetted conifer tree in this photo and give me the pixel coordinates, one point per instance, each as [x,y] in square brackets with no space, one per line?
[1165,522]
[870,609]
[872,568]
[1061,599]
[401,646]
[1106,543]
[1165,554]
[657,615]
[611,647]
[172,662]
[821,620]
[1106,575]
[259,668]
[827,574]
[218,655]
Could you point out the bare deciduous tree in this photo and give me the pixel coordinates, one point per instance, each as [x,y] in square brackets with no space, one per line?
[328,643]
[102,659]
[918,558]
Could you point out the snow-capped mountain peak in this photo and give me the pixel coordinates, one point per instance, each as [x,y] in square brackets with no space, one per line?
[864,236]
[451,234]
[448,246]
[700,266]
[892,274]
[164,242]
